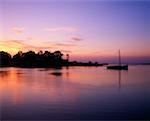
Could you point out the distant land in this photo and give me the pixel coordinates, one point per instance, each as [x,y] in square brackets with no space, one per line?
[139,63]
[45,59]
[41,59]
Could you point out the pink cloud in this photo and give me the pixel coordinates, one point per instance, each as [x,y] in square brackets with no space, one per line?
[66,51]
[18,30]
[76,38]
[65,44]
[63,29]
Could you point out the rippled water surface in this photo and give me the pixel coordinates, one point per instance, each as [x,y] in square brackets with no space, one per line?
[74,93]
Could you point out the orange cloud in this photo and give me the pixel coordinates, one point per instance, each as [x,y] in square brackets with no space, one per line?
[18,30]
[64,29]
[65,45]
[13,46]
[66,51]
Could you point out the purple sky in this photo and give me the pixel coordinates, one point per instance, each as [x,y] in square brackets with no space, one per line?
[88,30]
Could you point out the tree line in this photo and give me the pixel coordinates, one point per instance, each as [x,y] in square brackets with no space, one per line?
[32,59]
[41,59]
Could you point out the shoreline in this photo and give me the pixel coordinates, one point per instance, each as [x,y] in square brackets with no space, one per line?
[67,66]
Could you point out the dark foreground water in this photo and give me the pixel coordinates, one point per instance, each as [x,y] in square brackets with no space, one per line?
[75,93]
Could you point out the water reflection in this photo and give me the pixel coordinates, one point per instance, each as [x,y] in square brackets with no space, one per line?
[3,73]
[119,79]
[56,73]
[73,93]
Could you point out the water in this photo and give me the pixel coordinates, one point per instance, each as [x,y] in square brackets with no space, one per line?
[75,93]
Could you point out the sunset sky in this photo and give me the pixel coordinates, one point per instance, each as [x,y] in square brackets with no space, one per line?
[87,30]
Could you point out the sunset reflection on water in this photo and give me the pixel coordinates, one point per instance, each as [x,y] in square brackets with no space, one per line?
[74,93]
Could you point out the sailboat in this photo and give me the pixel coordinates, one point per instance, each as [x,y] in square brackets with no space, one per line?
[119,66]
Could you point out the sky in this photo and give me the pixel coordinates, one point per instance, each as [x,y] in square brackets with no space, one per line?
[86,29]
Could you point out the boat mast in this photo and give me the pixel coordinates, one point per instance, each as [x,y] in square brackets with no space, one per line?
[119,58]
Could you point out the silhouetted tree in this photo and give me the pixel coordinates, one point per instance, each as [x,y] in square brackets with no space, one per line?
[48,58]
[58,55]
[17,59]
[67,57]
[58,58]
[41,59]
[5,59]
[29,59]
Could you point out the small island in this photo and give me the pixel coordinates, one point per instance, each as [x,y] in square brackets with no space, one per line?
[41,59]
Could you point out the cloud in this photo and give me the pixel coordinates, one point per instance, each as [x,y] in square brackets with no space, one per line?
[76,38]
[30,38]
[66,51]
[13,46]
[65,44]
[18,30]
[63,29]
[12,43]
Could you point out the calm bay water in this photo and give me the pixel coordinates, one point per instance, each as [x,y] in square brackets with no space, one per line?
[75,93]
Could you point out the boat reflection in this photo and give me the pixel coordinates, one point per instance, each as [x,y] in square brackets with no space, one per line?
[119,79]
